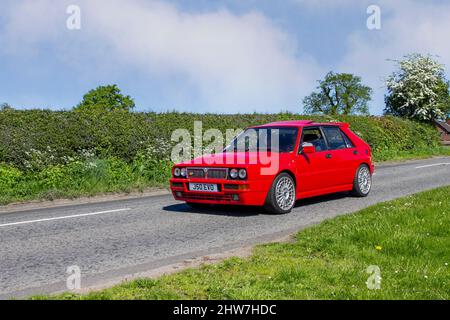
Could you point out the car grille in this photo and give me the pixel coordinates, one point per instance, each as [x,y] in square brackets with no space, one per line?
[207,173]
[205,196]
[217,174]
[195,173]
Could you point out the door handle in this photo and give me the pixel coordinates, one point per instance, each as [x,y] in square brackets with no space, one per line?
[328,156]
[355,152]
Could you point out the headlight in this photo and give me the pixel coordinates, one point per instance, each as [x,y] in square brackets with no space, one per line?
[234,173]
[177,172]
[183,172]
[242,174]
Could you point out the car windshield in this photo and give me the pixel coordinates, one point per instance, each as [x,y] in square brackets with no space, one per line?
[265,139]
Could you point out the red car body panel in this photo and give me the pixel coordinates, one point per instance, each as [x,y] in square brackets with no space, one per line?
[314,173]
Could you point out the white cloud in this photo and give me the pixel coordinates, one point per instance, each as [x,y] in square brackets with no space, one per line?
[231,61]
[27,23]
[221,61]
[407,27]
[234,61]
[327,3]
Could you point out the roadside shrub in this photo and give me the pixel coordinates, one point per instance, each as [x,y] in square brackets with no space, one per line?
[149,168]
[9,176]
[35,139]
[51,177]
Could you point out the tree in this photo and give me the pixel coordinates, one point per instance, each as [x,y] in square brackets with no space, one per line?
[339,93]
[5,106]
[106,98]
[442,91]
[418,90]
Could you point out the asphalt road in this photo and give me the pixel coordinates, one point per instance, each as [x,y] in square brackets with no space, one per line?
[117,238]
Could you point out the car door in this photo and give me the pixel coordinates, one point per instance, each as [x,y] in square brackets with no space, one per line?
[342,152]
[315,171]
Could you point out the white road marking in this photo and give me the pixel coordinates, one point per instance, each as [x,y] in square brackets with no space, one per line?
[434,165]
[64,217]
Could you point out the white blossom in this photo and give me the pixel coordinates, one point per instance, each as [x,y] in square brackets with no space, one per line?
[415,85]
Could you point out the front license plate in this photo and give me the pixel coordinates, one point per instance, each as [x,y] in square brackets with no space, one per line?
[203,187]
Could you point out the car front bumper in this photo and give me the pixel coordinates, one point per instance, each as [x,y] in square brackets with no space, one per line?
[234,192]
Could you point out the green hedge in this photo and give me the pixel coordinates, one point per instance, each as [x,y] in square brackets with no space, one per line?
[48,155]
[35,139]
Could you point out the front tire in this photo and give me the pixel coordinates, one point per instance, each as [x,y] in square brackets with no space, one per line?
[362,183]
[282,195]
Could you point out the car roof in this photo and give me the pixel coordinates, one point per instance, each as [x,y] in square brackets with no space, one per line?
[301,123]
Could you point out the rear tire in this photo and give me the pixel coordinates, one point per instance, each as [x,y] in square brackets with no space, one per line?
[282,195]
[362,183]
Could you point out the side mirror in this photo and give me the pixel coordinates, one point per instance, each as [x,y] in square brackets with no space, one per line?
[308,148]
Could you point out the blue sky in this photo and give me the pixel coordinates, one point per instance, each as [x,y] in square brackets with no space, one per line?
[207,56]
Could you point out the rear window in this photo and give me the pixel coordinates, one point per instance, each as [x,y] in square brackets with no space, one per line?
[348,142]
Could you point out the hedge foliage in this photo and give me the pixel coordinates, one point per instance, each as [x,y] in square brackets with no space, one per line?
[48,154]
[35,139]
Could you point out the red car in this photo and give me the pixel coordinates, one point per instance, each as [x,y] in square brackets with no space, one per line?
[274,165]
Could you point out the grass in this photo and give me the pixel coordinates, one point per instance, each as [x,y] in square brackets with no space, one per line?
[81,178]
[90,189]
[418,153]
[408,239]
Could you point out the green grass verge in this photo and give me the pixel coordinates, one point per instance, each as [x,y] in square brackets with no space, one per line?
[82,178]
[408,239]
[418,153]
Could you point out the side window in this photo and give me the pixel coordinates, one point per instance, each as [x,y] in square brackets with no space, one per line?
[315,137]
[335,138]
[348,142]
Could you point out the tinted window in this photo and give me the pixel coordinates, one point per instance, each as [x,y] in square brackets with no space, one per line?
[287,139]
[334,138]
[315,137]
[348,142]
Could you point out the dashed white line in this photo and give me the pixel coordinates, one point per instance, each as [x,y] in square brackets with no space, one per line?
[64,217]
[434,165]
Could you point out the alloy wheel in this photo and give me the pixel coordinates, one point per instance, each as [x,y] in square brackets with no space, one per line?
[364,180]
[285,193]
